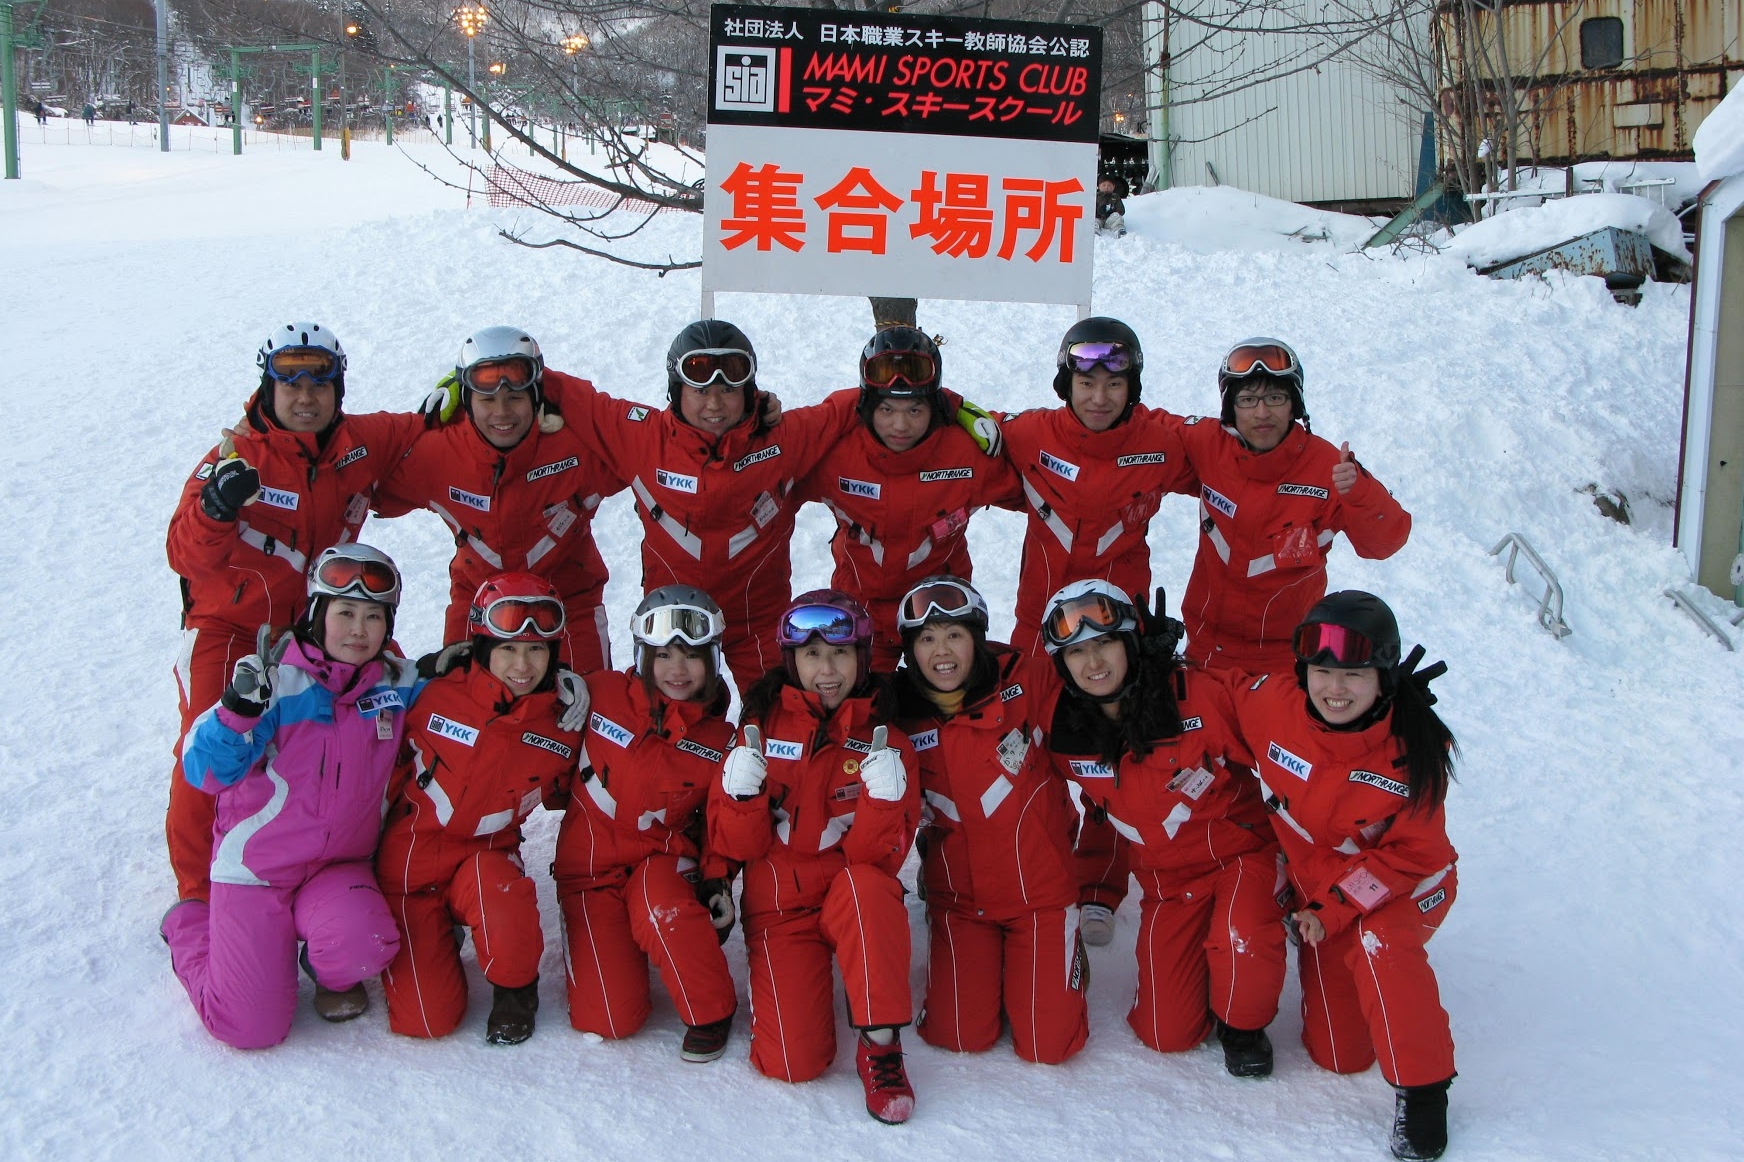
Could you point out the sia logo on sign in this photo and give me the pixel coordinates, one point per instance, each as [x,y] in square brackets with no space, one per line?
[745,79]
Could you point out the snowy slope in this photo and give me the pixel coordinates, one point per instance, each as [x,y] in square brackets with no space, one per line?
[1591,965]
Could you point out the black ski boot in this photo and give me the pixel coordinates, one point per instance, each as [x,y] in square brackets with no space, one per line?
[511,1015]
[1420,1121]
[1246,1052]
[335,1005]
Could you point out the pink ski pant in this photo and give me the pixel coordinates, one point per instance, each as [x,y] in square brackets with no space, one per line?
[237,954]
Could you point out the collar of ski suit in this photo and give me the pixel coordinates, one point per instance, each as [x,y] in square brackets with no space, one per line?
[346,682]
[1270,467]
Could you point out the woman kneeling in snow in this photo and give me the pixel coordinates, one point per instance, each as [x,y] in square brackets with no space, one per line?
[490,740]
[298,751]
[1355,765]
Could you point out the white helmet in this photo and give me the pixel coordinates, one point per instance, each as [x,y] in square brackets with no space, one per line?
[681,613]
[1084,610]
[295,335]
[494,344]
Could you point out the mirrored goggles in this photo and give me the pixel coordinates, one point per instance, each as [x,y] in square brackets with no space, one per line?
[732,367]
[1269,357]
[888,368]
[510,617]
[1116,357]
[489,376]
[680,623]
[941,599]
[1320,644]
[351,577]
[316,364]
[834,626]
[1091,615]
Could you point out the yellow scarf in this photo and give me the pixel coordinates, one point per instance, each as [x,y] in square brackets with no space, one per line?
[948,703]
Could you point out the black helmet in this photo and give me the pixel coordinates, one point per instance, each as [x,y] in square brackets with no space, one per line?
[713,337]
[1370,639]
[906,352]
[1099,329]
[1257,360]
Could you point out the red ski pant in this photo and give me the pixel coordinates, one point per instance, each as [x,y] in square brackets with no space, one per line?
[1030,968]
[750,650]
[1369,993]
[863,923]
[587,642]
[1212,944]
[1103,858]
[490,894]
[237,955]
[612,932]
[202,671]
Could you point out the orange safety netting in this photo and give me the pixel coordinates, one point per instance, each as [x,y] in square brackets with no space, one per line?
[509,186]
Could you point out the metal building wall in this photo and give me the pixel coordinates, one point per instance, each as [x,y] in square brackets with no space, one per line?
[1334,133]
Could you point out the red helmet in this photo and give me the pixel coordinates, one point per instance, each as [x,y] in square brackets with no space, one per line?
[516,607]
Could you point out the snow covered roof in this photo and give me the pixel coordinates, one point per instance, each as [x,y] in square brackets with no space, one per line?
[1528,230]
[1719,140]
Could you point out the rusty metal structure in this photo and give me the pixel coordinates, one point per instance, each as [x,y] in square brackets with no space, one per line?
[1591,79]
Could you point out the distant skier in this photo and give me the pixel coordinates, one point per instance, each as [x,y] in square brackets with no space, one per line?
[1111,205]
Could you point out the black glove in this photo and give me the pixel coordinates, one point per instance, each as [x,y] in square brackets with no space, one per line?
[445,659]
[251,683]
[717,897]
[233,484]
[1407,671]
[1158,633]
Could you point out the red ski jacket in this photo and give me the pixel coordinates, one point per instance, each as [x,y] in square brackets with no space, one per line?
[902,516]
[647,766]
[1266,521]
[813,818]
[529,508]
[717,512]
[474,767]
[1352,838]
[1091,496]
[242,574]
[1190,805]
[997,823]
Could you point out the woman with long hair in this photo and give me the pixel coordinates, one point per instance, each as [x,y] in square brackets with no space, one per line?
[1354,765]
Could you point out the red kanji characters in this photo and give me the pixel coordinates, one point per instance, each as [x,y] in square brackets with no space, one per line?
[765,207]
[958,220]
[1035,204]
[858,191]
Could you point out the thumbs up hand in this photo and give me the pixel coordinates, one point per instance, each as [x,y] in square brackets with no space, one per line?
[1344,472]
[882,771]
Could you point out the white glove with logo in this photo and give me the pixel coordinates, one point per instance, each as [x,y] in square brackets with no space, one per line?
[743,773]
[882,771]
[572,693]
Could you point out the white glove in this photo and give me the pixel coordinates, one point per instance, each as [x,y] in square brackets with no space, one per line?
[572,693]
[743,773]
[882,771]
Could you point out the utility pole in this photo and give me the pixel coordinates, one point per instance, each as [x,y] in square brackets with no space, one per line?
[11,90]
[472,18]
[163,75]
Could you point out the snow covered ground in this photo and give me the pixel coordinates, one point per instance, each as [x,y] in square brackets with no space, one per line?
[1592,966]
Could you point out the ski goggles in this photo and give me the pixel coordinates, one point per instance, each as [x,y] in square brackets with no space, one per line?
[888,368]
[343,576]
[732,367]
[510,617]
[1320,644]
[1116,357]
[680,623]
[1272,358]
[947,600]
[837,627]
[1091,615]
[489,376]
[316,364]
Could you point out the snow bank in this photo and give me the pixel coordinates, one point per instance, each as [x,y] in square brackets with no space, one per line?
[1719,140]
[1527,230]
[1210,219]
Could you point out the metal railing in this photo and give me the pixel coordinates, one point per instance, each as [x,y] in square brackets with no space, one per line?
[1550,604]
